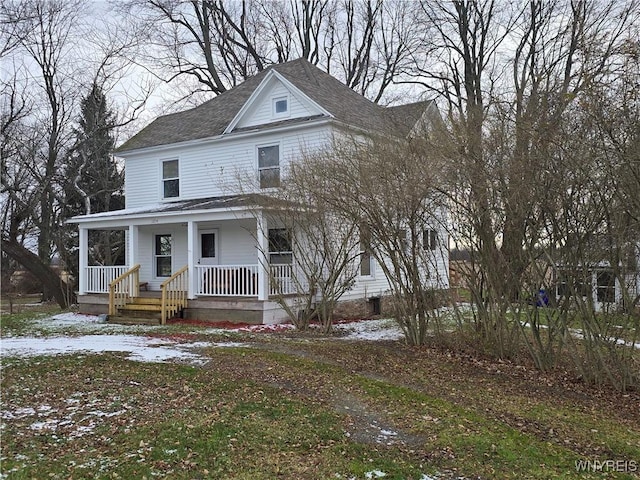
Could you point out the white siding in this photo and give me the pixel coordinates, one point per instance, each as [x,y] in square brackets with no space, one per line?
[437,266]
[146,245]
[236,246]
[261,112]
[217,168]
[236,242]
[366,287]
[142,182]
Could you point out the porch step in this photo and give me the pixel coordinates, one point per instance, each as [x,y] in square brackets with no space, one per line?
[127,320]
[154,316]
[146,301]
[142,307]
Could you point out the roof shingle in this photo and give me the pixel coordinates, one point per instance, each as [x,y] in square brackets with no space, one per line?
[212,117]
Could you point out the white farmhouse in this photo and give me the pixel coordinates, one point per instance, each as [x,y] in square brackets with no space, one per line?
[196,241]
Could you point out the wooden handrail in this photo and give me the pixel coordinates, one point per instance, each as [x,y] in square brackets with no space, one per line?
[174,293]
[124,287]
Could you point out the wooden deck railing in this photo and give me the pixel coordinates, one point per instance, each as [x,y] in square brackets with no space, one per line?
[227,280]
[280,281]
[174,293]
[241,280]
[123,288]
[100,276]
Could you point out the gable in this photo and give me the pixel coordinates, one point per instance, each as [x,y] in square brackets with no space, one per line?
[266,105]
[313,94]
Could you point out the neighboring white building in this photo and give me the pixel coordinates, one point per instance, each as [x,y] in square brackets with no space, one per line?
[184,207]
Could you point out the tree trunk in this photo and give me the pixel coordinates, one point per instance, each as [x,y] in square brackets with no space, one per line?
[51,281]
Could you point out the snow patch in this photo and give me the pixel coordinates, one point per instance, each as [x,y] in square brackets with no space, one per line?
[375,474]
[138,348]
[381,329]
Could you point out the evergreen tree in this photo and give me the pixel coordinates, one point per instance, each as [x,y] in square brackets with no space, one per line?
[94,182]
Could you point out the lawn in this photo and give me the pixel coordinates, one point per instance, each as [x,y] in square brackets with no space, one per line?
[278,404]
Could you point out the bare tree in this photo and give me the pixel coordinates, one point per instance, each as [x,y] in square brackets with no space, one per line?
[325,247]
[387,187]
[40,100]
[509,74]
[220,44]
[47,28]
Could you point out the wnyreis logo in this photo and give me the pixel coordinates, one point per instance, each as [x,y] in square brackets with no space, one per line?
[620,466]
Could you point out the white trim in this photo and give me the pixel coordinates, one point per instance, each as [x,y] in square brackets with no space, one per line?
[83,251]
[224,137]
[162,179]
[303,97]
[151,218]
[372,267]
[249,103]
[155,256]
[198,257]
[274,101]
[134,235]
[258,91]
[275,143]
[192,240]
[262,247]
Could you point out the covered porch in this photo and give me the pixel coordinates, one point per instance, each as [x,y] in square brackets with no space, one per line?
[222,249]
[208,281]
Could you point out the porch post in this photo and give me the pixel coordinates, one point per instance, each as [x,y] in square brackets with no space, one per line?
[133,245]
[263,261]
[192,236]
[83,243]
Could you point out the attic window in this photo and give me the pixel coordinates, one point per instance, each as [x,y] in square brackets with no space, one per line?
[281,107]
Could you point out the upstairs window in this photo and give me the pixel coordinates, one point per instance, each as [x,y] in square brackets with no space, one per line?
[269,166]
[429,239]
[280,107]
[170,179]
[280,246]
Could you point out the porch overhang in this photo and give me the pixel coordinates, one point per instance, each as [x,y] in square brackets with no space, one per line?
[206,209]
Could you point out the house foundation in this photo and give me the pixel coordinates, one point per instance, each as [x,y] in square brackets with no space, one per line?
[207,309]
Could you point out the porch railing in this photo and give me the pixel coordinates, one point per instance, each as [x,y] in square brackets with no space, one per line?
[280,280]
[227,280]
[122,288]
[99,277]
[174,293]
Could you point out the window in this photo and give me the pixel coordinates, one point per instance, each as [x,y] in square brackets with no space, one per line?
[606,289]
[570,283]
[404,243]
[366,259]
[365,263]
[208,245]
[280,246]
[429,239]
[163,255]
[170,179]
[280,107]
[269,166]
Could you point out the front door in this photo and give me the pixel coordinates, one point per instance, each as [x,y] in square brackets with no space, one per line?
[208,247]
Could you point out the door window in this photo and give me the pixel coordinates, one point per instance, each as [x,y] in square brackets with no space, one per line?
[163,255]
[208,245]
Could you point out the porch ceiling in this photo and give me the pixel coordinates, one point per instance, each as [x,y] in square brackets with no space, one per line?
[213,208]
